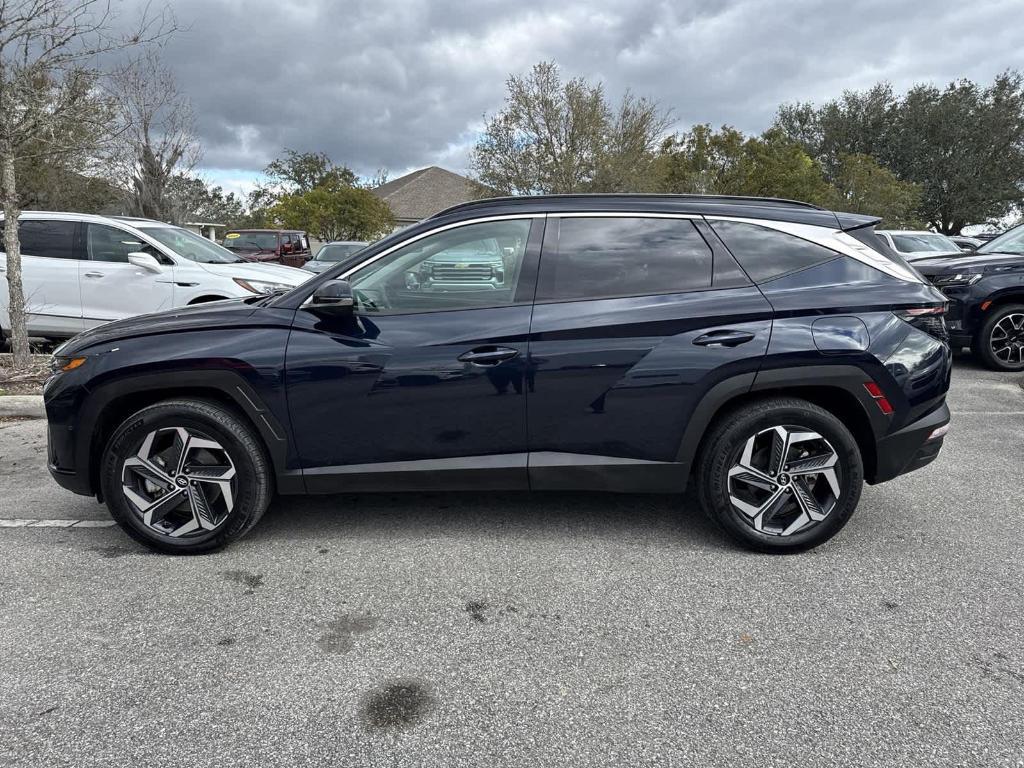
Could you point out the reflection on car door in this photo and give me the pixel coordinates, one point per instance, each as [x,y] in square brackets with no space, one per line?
[445,362]
[49,267]
[113,288]
[636,318]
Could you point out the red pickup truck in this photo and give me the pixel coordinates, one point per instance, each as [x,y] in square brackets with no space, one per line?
[283,246]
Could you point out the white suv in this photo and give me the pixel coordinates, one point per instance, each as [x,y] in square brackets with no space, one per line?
[81,270]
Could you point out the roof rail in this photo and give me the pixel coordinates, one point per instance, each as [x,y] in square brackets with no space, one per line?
[527,199]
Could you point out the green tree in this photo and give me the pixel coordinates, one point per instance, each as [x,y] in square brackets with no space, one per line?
[555,137]
[703,161]
[863,186]
[962,145]
[295,173]
[333,211]
[189,198]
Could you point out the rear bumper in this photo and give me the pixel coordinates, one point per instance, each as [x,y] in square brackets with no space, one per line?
[910,448]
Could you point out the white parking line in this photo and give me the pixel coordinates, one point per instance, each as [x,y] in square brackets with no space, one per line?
[17,522]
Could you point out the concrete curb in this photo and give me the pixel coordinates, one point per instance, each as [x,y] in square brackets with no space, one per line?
[22,406]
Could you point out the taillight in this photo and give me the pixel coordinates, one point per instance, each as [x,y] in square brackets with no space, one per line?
[879,397]
[930,320]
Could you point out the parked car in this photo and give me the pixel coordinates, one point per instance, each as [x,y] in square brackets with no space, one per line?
[985,290]
[965,243]
[331,253]
[284,246]
[80,270]
[913,245]
[774,351]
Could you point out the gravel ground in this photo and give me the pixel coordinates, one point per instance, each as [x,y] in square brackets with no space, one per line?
[508,629]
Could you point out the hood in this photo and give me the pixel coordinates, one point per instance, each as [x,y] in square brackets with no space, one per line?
[250,270]
[976,262]
[213,314]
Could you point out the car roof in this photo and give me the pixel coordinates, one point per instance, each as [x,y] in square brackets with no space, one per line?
[135,221]
[907,232]
[770,208]
[347,242]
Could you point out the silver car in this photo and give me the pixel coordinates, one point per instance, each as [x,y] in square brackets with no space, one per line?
[332,253]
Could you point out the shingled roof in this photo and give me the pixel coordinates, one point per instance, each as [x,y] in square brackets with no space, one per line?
[423,193]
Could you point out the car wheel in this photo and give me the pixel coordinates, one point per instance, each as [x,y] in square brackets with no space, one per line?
[1000,342]
[780,475]
[185,476]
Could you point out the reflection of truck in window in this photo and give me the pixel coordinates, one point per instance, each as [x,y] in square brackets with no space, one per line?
[472,266]
[283,246]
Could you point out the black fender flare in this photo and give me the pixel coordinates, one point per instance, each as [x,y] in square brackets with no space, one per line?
[848,378]
[229,384]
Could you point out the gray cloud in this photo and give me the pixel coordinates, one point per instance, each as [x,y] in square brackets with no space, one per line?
[390,84]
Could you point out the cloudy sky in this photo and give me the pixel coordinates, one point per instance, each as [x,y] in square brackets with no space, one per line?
[400,85]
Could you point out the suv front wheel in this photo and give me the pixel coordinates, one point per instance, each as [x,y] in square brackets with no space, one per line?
[780,475]
[185,476]
[1000,342]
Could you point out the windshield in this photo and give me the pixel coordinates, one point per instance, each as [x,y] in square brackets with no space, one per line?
[915,243]
[251,241]
[338,251]
[1008,242]
[191,246]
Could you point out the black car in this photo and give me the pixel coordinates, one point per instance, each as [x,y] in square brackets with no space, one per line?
[986,299]
[774,351]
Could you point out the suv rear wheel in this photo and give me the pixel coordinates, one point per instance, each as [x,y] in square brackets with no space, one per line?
[780,475]
[185,476]
[1000,342]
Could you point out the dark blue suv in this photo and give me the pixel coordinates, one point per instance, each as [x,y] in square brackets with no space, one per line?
[777,353]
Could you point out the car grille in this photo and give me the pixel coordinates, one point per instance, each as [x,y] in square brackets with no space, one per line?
[461,273]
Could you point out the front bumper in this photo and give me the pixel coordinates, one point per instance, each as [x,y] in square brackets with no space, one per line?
[910,448]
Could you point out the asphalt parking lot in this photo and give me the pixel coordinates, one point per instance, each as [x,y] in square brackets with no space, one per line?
[509,629]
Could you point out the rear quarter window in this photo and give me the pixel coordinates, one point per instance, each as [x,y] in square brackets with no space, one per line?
[618,256]
[767,253]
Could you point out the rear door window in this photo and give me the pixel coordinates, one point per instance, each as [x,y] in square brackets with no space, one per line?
[608,257]
[48,238]
[766,253]
[104,243]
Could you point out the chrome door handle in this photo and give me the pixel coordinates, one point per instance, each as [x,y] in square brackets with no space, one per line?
[94,274]
[723,339]
[488,355]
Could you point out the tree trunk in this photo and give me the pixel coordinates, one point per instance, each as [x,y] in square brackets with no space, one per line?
[16,304]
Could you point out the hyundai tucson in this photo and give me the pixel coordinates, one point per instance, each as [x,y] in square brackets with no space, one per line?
[775,354]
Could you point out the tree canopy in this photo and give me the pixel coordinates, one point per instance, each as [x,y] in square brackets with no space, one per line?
[555,137]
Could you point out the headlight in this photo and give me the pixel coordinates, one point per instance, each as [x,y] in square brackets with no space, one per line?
[262,286]
[60,363]
[960,278]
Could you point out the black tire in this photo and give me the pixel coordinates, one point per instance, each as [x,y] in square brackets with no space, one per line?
[723,449]
[252,488]
[982,346]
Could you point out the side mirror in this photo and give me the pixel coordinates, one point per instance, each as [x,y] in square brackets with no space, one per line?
[334,296]
[145,261]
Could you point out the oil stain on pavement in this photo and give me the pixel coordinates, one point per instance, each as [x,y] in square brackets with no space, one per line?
[341,632]
[247,579]
[398,704]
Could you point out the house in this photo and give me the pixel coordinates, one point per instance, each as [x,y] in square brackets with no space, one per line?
[423,193]
[208,229]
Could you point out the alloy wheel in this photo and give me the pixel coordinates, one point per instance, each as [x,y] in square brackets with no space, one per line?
[180,483]
[785,480]
[1007,339]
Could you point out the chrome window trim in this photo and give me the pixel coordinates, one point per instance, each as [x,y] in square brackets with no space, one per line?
[622,215]
[833,239]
